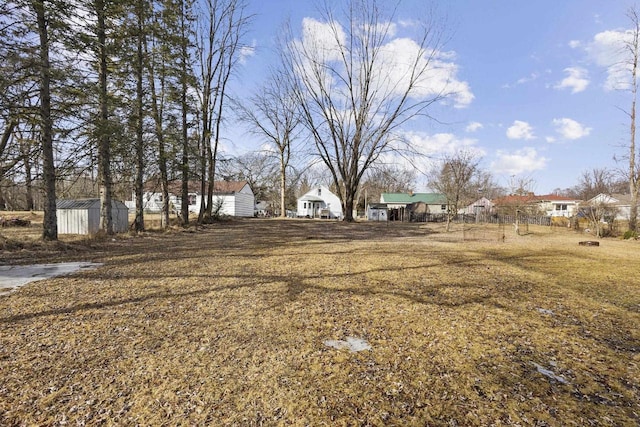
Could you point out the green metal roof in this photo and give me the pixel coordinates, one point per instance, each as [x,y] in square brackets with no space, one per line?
[428,198]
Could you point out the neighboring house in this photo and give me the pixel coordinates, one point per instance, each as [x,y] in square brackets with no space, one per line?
[319,202]
[83,216]
[399,205]
[234,198]
[555,205]
[482,206]
[622,203]
[548,205]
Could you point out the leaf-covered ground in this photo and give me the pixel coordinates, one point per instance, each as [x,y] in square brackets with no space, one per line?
[227,326]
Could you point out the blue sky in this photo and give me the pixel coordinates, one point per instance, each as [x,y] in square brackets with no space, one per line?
[545,102]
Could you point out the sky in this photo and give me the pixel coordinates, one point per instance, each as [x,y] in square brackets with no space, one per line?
[539,92]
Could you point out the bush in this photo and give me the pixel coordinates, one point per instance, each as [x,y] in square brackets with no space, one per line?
[630,234]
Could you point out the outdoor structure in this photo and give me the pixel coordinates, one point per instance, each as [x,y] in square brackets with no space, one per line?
[233,198]
[551,205]
[319,202]
[377,212]
[479,208]
[403,206]
[556,205]
[83,216]
[620,202]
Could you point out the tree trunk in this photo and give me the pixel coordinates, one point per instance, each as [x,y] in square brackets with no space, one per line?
[185,109]
[634,47]
[283,187]
[104,140]
[633,178]
[156,112]
[50,222]
[28,180]
[138,223]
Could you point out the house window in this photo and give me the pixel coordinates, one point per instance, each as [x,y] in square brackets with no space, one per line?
[304,205]
[561,207]
[319,191]
[192,199]
[443,207]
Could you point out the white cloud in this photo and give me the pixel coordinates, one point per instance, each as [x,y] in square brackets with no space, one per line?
[440,143]
[440,78]
[520,130]
[573,44]
[474,126]
[323,38]
[518,162]
[570,129]
[522,80]
[607,50]
[531,77]
[247,51]
[576,80]
[394,64]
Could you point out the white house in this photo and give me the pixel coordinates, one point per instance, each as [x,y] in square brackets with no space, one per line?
[555,205]
[622,203]
[234,198]
[319,202]
[83,216]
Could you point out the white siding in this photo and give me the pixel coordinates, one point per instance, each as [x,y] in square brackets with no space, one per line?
[87,220]
[319,198]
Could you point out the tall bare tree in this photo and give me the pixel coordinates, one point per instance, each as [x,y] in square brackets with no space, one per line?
[632,47]
[272,113]
[459,178]
[353,90]
[593,182]
[221,28]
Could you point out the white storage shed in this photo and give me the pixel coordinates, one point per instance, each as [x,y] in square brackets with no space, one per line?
[83,216]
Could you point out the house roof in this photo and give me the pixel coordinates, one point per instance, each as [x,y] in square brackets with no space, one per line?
[428,198]
[175,186]
[228,186]
[526,199]
[614,199]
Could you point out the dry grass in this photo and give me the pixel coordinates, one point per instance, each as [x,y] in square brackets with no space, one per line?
[226,326]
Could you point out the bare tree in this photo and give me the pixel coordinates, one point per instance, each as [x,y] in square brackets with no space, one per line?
[272,113]
[354,92]
[599,210]
[632,47]
[595,181]
[459,179]
[222,25]
[385,178]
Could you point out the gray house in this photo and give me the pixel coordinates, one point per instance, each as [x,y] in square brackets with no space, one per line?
[83,216]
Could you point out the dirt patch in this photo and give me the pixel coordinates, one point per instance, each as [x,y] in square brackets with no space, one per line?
[228,325]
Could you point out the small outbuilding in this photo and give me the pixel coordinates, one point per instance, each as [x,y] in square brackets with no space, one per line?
[83,216]
[377,212]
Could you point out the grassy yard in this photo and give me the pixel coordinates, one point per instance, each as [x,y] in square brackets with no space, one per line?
[227,325]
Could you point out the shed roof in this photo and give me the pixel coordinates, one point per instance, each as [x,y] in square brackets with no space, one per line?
[86,204]
[428,198]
